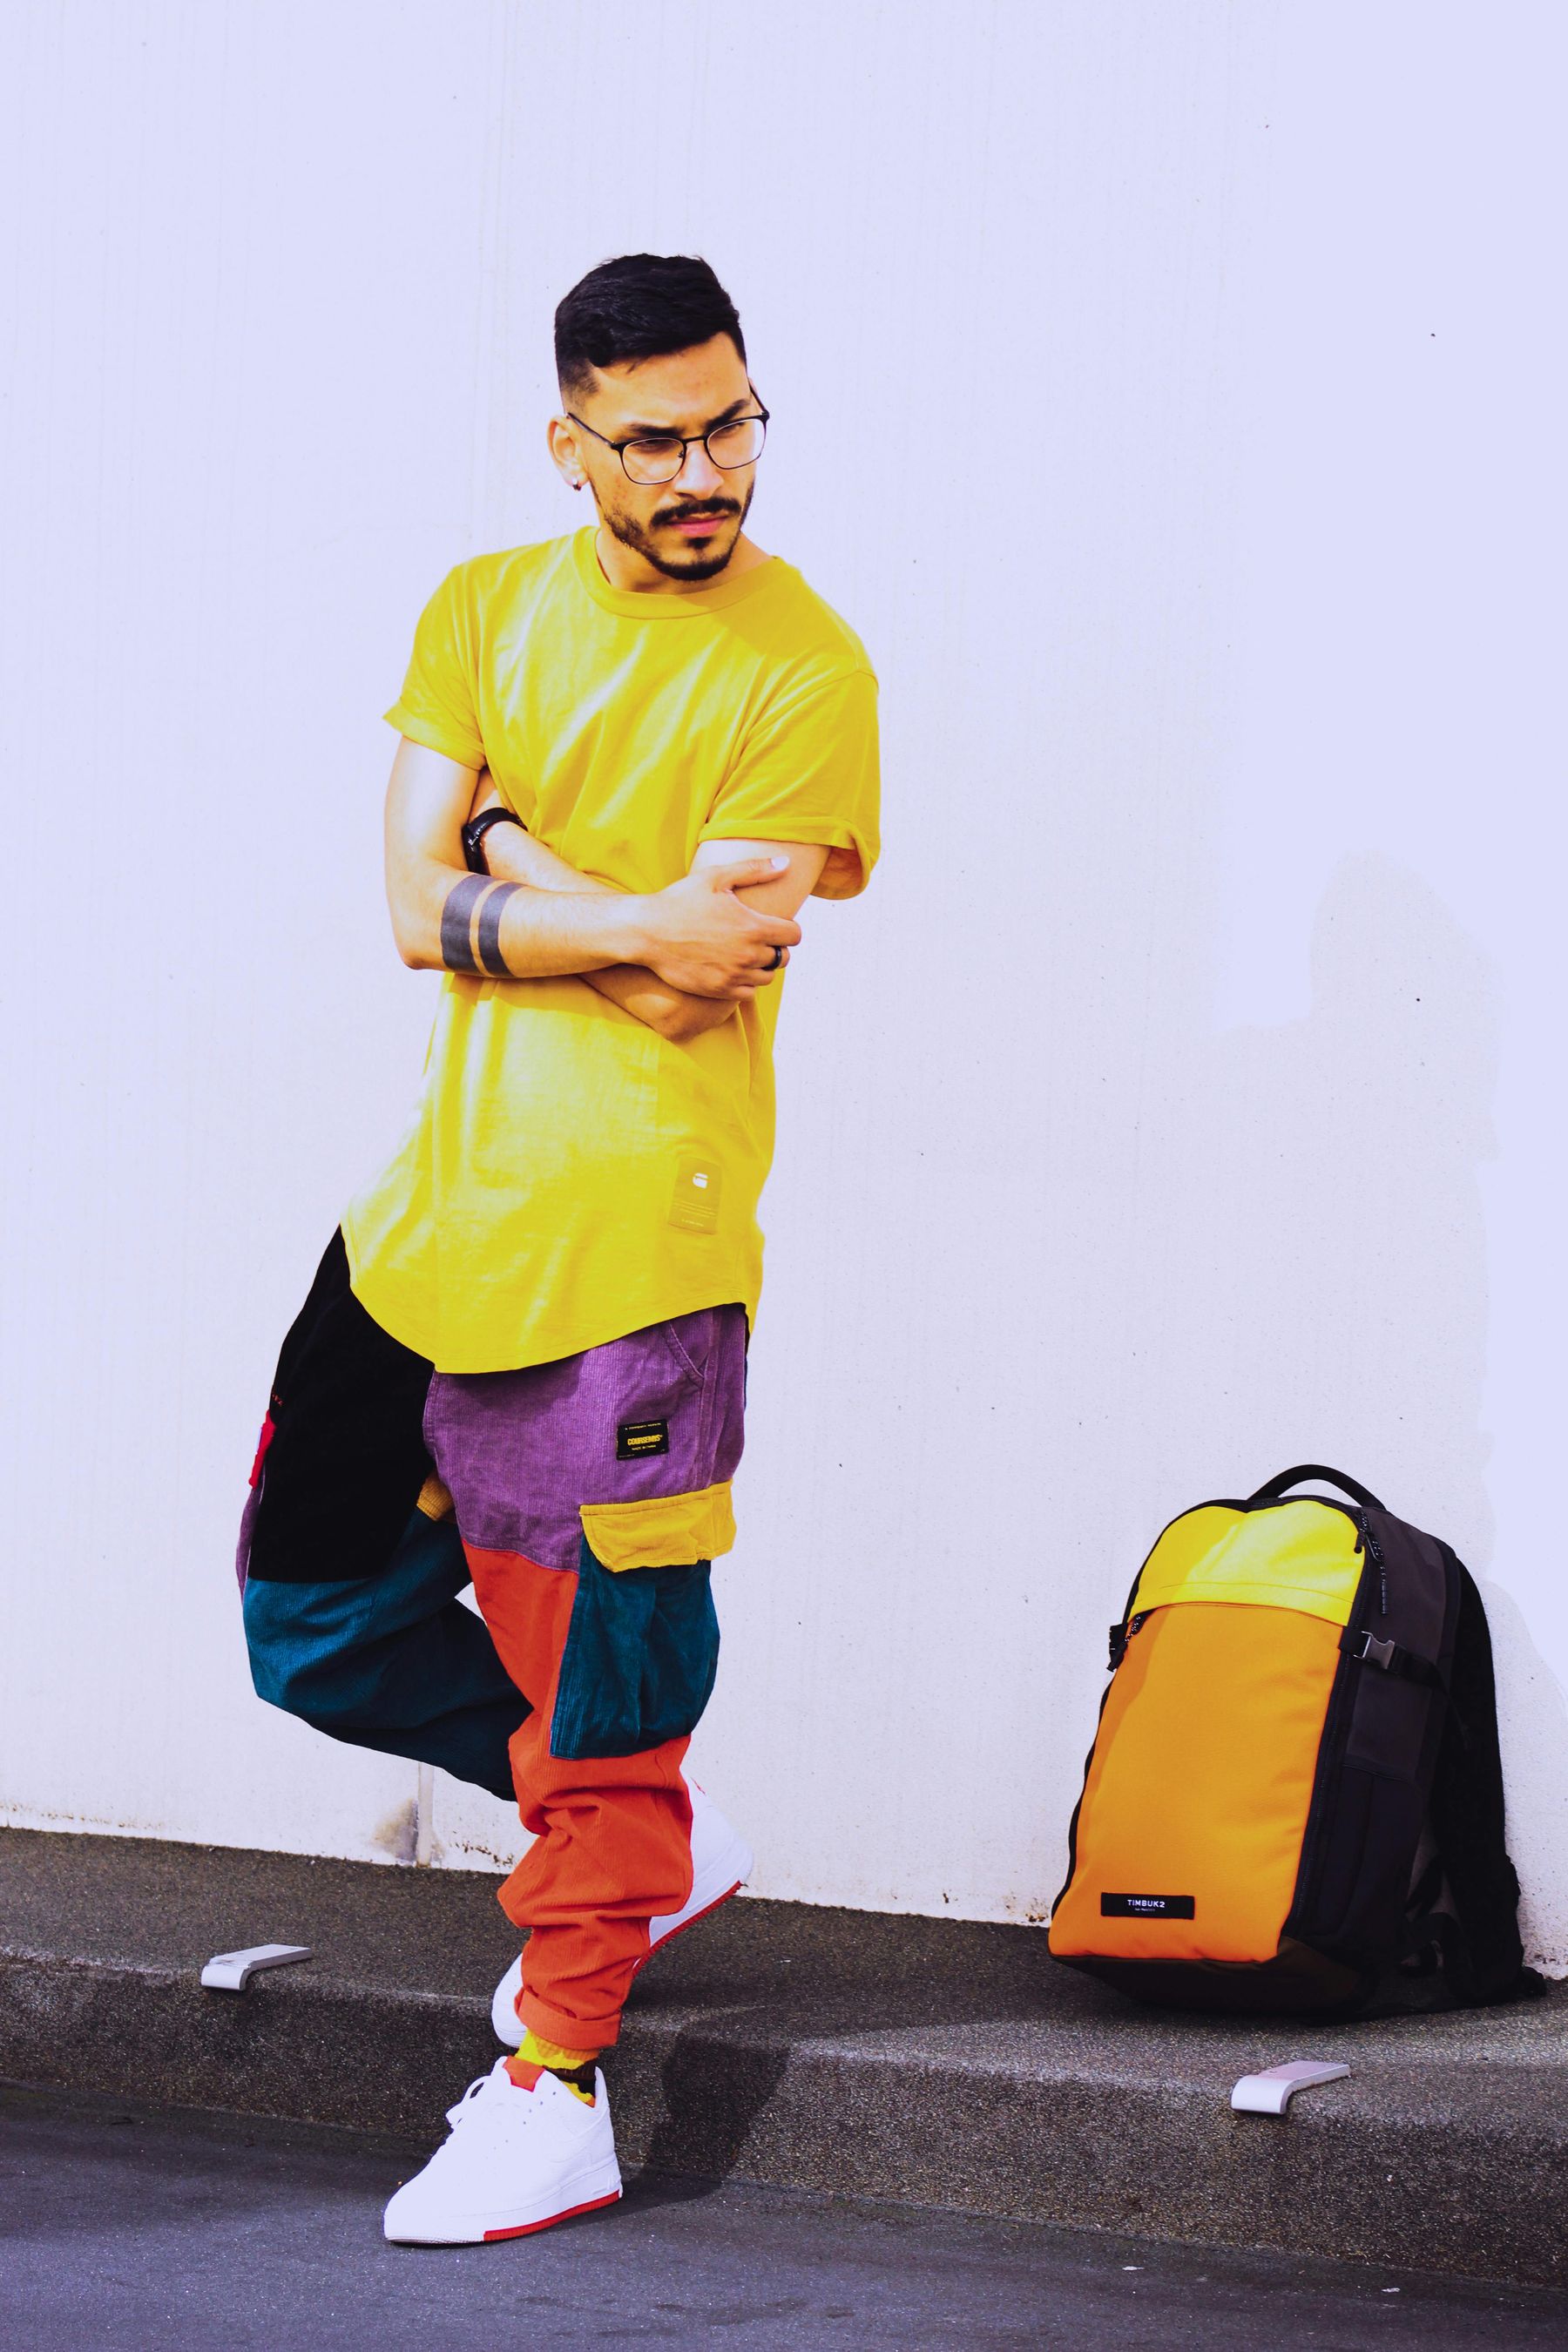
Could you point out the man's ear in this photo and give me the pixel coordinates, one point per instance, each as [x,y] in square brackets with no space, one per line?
[565,452]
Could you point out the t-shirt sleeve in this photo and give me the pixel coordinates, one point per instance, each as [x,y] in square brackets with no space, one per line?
[809,771]
[436,706]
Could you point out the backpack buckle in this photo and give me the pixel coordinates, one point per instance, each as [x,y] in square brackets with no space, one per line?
[1121,1635]
[1374,1653]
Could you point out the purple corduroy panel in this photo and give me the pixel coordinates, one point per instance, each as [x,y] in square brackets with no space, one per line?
[521,1451]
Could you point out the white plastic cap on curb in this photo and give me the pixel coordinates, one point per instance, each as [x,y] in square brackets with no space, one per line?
[1270,2092]
[232,1972]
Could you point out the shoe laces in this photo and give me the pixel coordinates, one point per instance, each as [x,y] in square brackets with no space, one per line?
[503,2093]
[459,2113]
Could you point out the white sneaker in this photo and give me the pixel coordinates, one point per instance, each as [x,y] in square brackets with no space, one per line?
[721,1862]
[515,2160]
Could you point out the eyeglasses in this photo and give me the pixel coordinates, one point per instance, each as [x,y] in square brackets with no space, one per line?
[660,456]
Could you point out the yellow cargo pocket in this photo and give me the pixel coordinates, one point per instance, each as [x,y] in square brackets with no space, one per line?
[662,1530]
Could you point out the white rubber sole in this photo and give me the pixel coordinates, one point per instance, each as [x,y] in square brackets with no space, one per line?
[691,1915]
[586,2192]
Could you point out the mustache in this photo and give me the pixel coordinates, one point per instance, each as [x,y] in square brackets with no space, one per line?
[703,511]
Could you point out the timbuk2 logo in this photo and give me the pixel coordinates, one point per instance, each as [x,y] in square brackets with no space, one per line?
[1147,1907]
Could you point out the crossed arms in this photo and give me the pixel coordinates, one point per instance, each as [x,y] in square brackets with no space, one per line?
[678,960]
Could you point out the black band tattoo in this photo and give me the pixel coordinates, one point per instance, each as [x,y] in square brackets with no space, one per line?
[489,930]
[456,916]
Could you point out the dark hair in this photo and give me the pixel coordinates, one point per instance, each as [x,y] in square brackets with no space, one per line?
[639,307]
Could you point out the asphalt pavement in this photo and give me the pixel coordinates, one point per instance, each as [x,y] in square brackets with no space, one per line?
[124,2228]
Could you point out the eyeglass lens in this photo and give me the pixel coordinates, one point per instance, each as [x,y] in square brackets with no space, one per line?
[729,445]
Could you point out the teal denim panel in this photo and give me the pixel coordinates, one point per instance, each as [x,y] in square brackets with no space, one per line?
[642,1650]
[392,1662]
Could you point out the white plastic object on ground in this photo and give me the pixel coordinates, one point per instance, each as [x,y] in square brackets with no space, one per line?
[232,1972]
[1270,2092]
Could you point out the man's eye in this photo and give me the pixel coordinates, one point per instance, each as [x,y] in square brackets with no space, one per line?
[654,449]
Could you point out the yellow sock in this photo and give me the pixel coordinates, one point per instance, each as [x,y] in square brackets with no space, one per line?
[564,2063]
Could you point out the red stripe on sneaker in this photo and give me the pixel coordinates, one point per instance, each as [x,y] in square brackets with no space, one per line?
[529,2228]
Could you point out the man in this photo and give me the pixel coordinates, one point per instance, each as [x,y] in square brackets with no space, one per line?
[627,758]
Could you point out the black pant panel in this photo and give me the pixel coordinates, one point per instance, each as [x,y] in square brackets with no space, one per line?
[347,1458]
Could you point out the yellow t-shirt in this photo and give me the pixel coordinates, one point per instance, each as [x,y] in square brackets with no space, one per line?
[571,1176]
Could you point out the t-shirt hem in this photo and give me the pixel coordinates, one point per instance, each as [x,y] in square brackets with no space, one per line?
[724,1289]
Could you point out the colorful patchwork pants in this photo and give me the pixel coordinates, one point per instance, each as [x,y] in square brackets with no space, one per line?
[585,1500]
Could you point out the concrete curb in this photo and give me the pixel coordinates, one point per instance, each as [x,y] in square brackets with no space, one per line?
[927,2060]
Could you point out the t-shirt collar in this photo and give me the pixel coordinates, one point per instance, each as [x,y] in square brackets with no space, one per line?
[714,598]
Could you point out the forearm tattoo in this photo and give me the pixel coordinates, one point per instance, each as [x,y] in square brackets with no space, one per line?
[457,925]
[488,929]
[457,919]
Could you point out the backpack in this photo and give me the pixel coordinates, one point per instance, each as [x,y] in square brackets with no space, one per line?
[1295,1792]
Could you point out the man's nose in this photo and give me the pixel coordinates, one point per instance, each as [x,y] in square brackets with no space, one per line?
[698,477]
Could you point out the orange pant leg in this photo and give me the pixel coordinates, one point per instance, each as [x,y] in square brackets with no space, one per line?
[612,1835]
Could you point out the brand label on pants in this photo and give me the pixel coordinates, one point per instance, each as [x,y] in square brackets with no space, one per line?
[636,1438]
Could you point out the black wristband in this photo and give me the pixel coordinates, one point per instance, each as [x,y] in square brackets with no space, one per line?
[474,832]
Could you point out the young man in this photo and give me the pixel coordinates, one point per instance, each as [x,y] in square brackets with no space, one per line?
[627,758]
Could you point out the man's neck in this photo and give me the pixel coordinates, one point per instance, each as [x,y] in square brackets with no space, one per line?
[624,568]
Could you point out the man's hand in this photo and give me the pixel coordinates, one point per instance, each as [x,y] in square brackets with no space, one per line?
[679,1015]
[706,941]
[537,916]
[695,925]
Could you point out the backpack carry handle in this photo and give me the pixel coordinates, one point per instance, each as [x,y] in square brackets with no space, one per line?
[1304,1470]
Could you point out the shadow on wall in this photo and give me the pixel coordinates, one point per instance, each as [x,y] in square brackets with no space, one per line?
[1320,1266]
[1335,1244]
[1534,1720]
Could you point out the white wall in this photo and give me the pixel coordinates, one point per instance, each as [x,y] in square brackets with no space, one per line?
[1173,397]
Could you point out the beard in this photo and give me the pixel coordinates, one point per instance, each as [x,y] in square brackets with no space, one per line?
[644,538]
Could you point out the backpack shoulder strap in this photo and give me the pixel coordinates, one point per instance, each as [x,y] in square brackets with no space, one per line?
[1483,1956]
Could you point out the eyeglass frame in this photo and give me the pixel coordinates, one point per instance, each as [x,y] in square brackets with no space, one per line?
[686,440]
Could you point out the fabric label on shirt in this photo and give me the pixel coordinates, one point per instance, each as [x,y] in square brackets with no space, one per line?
[695,1206]
[636,1438]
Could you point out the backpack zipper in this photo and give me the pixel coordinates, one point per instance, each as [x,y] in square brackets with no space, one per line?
[1366,1540]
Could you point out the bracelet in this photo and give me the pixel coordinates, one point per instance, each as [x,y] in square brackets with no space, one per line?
[474,832]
